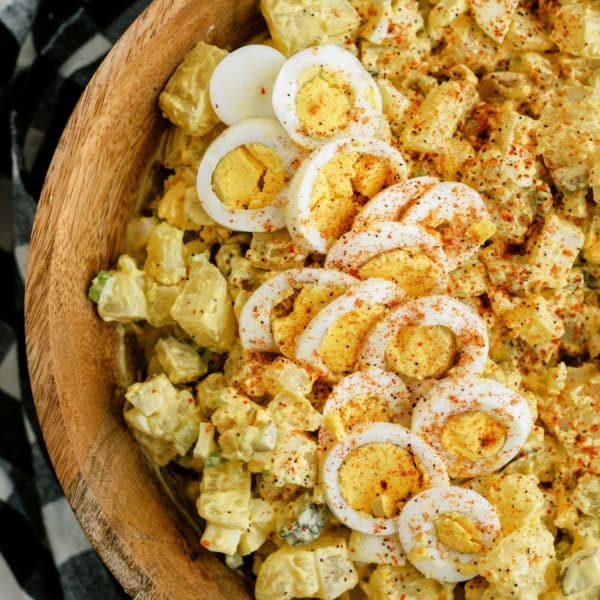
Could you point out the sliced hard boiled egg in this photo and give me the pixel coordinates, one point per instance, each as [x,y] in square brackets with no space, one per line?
[324,93]
[326,192]
[406,254]
[457,214]
[370,474]
[243,176]
[364,397]
[390,202]
[444,530]
[255,317]
[477,425]
[428,338]
[241,85]
[331,339]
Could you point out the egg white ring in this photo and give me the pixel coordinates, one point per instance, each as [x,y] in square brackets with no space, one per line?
[251,131]
[371,383]
[372,434]
[370,291]
[388,204]
[442,310]
[299,214]
[416,529]
[445,201]
[354,249]
[255,317]
[367,97]
[454,396]
[241,85]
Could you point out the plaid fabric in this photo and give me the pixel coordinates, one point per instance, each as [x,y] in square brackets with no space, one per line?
[49,50]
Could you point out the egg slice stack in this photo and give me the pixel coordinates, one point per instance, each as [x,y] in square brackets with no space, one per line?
[408,410]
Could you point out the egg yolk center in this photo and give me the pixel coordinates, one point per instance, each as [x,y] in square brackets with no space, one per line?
[416,273]
[459,532]
[343,186]
[422,351]
[378,478]
[294,309]
[248,177]
[323,103]
[474,435]
[345,336]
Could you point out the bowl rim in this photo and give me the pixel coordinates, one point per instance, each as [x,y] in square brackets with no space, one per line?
[135,579]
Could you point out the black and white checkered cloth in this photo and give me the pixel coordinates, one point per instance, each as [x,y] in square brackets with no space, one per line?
[48,51]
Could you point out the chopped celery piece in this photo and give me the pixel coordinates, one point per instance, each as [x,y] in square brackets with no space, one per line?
[214,458]
[302,521]
[97,286]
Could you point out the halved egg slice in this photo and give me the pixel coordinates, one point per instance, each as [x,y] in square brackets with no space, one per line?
[405,254]
[241,85]
[364,397]
[457,214]
[390,202]
[333,183]
[428,338]
[323,93]
[330,341]
[369,476]
[477,425]
[243,177]
[255,318]
[444,530]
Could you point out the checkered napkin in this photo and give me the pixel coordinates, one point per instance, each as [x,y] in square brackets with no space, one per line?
[49,49]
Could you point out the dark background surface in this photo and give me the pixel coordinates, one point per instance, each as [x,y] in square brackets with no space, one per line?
[49,49]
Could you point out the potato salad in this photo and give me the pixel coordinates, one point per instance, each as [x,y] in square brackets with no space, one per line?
[363,288]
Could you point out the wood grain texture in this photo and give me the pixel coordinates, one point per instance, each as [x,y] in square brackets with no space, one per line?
[89,195]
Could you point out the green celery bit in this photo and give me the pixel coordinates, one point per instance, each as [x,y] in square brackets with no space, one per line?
[97,286]
[214,458]
[304,523]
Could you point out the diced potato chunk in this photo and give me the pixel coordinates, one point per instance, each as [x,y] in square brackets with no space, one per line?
[516,498]
[294,410]
[262,522]
[120,294]
[165,261]
[582,572]
[185,100]
[554,251]
[394,582]
[437,119]
[577,29]
[204,309]
[322,569]
[180,361]
[517,565]
[297,24]
[591,246]
[180,205]
[225,494]
[533,321]
[162,412]
[160,299]
[494,16]
[221,538]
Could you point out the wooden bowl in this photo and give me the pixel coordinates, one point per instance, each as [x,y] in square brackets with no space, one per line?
[88,197]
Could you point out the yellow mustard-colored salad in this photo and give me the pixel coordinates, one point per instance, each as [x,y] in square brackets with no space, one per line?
[363,284]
